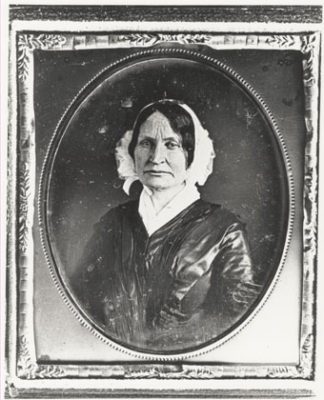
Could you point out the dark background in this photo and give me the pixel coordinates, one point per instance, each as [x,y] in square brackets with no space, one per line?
[248,178]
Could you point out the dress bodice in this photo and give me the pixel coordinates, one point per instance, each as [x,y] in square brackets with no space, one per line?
[181,287]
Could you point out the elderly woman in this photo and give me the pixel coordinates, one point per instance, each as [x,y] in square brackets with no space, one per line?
[169,271]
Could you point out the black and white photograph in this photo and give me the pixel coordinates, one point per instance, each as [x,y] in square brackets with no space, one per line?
[189,255]
[162,201]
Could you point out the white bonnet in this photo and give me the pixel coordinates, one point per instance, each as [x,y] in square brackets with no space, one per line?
[200,168]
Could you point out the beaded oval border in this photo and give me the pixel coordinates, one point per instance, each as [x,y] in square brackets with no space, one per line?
[55,140]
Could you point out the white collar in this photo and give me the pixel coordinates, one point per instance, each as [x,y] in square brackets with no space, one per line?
[153,220]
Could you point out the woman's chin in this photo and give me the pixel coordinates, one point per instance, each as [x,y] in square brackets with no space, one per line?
[156,186]
[162,184]
[156,182]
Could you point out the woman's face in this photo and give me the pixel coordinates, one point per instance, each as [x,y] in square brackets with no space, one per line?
[160,160]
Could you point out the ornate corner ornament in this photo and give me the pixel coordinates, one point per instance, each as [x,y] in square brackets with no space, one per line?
[27,43]
[27,368]
[27,365]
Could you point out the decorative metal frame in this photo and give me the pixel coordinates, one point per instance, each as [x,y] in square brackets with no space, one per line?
[22,365]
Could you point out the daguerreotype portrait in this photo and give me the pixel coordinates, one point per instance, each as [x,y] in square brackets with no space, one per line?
[166,271]
[173,268]
[165,184]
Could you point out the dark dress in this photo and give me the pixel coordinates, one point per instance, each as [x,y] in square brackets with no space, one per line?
[181,287]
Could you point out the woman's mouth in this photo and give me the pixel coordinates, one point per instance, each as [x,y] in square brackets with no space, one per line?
[157,172]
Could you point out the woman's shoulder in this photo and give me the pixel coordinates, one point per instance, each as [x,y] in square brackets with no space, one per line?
[218,216]
[116,213]
[218,211]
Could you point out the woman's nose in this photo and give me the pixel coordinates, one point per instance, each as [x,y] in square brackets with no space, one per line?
[158,153]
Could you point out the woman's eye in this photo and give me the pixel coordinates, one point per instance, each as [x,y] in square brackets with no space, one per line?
[172,145]
[145,143]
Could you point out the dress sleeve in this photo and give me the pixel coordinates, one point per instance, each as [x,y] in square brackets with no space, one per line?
[236,289]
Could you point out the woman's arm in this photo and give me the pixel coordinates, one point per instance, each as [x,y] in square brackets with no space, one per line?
[234,272]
